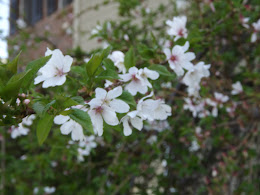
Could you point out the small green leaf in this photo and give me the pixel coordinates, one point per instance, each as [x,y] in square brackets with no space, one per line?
[82,118]
[129,60]
[93,64]
[108,74]
[105,52]
[44,127]
[12,66]
[128,98]
[13,85]
[109,64]
[146,52]
[38,107]
[162,70]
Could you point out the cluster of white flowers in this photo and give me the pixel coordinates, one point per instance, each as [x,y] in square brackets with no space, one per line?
[47,190]
[138,80]
[205,107]
[179,59]
[22,127]
[147,109]
[86,146]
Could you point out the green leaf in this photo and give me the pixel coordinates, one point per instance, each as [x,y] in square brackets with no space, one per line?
[162,70]
[82,118]
[105,52]
[109,64]
[12,66]
[46,108]
[129,60]
[93,64]
[13,85]
[128,98]
[108,74]
[146,52]
[78,99]
[44,127]
[34,66]
[38,107]
[63,102]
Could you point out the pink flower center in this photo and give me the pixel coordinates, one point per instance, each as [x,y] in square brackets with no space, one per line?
[180,33]
[173,58]
[99,110]
[59,72]
[134,78]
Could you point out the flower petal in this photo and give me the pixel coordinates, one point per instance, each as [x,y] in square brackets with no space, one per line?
[61,119]
[116,92]
[119,106]
[109,116]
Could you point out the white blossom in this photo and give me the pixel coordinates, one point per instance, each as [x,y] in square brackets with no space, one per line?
[151,140]
[194,75]
[21,23]
[244,21]
[154,109]
[220,98]
[49,190]
[108,83]
[70,126]
[105,106]
[118,58]
[96,30]
[194,146]
[256,26]
[22,129]
[177,27]
[237,88]
[138,80]
[179,58]
[135,120]
[54,72]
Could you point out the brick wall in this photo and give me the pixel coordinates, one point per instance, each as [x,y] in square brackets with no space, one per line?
[52,31]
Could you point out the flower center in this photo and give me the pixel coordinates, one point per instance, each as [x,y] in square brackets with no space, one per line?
[180,33]
[99,110]
[173,58]
[59,72]
[134,78]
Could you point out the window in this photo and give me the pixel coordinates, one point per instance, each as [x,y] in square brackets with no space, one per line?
[52,6]
[14,14]
[33,11]
[66,2]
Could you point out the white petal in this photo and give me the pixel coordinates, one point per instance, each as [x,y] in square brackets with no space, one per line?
[67,127]
[116,92]
[77,132]
[137,123]
[39,79]
[54,81]
[100,93]
[151,74]
[67,61]
[97,122]
[119,106]
[61,119]
[167,52]
[186,46]
[109,116]
[127,128]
